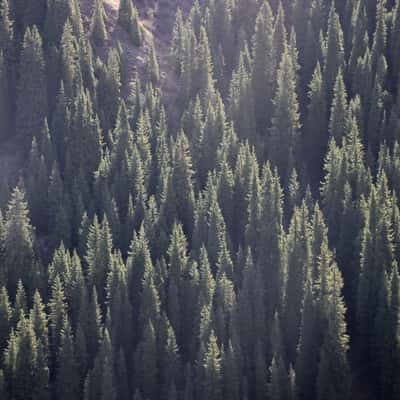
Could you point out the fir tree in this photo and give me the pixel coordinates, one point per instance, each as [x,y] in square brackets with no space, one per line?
[334,59]
[31,91]
[211,365]
[19,259]
[128,18]
[67,379]
[98,28]
[285,121]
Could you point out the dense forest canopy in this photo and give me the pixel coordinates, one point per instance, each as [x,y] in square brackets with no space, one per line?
[199,200]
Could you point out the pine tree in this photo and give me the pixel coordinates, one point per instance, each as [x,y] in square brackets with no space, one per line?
[333,379]
[170,363]
[146,362]
[108,391]
[31,90]
[179,203]
[211,365]
[19,259]
[376,260]
[243,102]
[39,321]
[279,35]
[58,312]
[20,303]
[24,382]
[152,67]
[380,36]
[98,255]
[98,28]
[67,379]
[92,320]
[36,184]
[128,18]
[203,79]
[285,121]
[5,317]
[359,25]
[6,34]
[338,116]
[308,349]
[108,92]
[263,67]
[315,133]
[299,259]
[334,60]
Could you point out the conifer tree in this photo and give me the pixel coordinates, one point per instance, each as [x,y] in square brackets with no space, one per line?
[243,102]
[58,313]
[380,36]
[334,59]
[19,260]
[308,349]
[6,34]
[98,28]
[263,67]
[338,115]
[315,133]
[299,259]
[5,317]
[108,91]
[211,365]
[67,379]
[128,18]
[179,203]
[25,368]
[376,260]
[153,69]
[359,24]
[146,362]
[31,91]
[39,321]
[98,255]
[20,303]
[285,121]
[333,379]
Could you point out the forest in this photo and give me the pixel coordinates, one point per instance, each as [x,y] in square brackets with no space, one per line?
[199,199]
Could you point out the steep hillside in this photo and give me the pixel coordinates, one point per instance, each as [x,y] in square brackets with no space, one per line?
[154,30]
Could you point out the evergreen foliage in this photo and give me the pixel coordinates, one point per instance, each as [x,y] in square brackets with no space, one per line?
[215,220]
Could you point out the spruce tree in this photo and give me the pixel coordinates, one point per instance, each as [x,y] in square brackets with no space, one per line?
[67,379]
[31,90]
[284,133]
[211,366]
[299,259]
[315,140]
[98,255]
[19,258]
[5,317]
[263,67]
[333,379]
[338,115]
[146,362]
[334,59]
[98,29]
[128,18]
